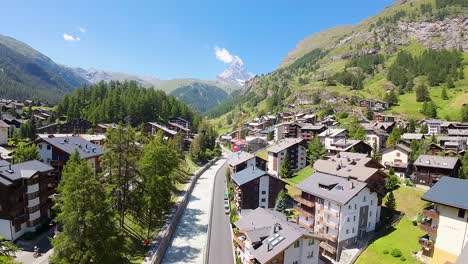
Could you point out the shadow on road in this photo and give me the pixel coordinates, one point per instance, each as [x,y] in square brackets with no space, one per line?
[182,254]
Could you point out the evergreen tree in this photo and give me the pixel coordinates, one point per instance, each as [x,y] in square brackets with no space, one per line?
[157,165]
[315,150]
[391,202]
[391,98]
[355,130]
[392,182]
[394,137]
[464,113]
[450,83]
[26,152]
[463,174]
[424,129]
[89,232]
[286,168]
[444,94]
[409,85]
[411,126]
[281,201]
[369,114]
[422,94]
[429,109]
[119,165]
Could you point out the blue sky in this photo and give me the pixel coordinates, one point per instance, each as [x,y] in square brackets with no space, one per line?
[174,39]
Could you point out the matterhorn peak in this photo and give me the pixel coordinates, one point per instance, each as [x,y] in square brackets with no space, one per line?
[235,73]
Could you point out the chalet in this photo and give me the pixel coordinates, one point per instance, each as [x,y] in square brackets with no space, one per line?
[397,158]
[408,137]
[179,128]
[255,144]
[434,126]
[254,188]
[385,126]
[4,132]
[57,150]
[241,160]
[25,189]
[384,118]
[282,131]
[181,122]
[330,136]
[377,106]
[445,221]
[310,131]
[428,169]
[292,148]
[309,118]
[152,128]
[103,128]
[349,145]
[457,133]
[330,122]
[453,143]
[267,236]
[75,126]
[341,209]
[374,135]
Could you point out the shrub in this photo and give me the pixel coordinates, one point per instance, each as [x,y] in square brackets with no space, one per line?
[396,253]
[414,252]
[402,258]
[415,222]
[385,251]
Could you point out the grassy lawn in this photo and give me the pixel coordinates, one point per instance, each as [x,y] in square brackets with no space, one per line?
[403,236]
[300,175]
[263,154]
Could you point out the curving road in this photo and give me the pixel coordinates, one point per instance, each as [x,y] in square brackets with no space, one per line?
[189,244]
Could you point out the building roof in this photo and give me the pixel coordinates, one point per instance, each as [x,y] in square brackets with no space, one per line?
[332,132]
[307,126]
[239,157]
[164,128]
[346,144]
[411,136]
[331,187]
[436,161]
[3,124]
[449,191]
[337,168]
[261,222]
[351,158]
[179,126]
[24,170]
[284,144]
[458,132]
[69,144]
[246,175]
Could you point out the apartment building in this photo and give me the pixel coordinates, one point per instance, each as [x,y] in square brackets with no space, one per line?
[330,136]
[57,150]
[397,158]
[24,197]
[445,221]
[254,188]
[342,210]
[267,236]
[241,160]
[428,169]
[349,145]
[292,148]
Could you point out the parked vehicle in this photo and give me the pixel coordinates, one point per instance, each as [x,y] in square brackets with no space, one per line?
[226,207]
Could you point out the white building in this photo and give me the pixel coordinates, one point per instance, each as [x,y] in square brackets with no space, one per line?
[269,237]
[330,136]
[294,148]
[4,132]
[397,157]
[241,160]
[340,209]
[446,221]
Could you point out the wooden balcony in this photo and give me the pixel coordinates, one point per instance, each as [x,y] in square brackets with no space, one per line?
[327,247]
[303,212]
[332,225]
[20,219]
[431,213]
[332,213]
[238,241]
[304,201]
[428,228]
[328,236]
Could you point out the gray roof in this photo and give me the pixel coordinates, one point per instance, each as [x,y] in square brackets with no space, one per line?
[247,175]
[336,168]
[284,144]
[330,187]
[307,126]
[3,124]
[345,144]
[239,157]
[449,191]
[164,128]
[24,170]
[398,146]
[411,136]
[436,161]
[458,132]
[259,221]
[332,132]
[68,145]
[351,158]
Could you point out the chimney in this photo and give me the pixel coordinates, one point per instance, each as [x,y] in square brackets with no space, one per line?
[351,185]
[9,166]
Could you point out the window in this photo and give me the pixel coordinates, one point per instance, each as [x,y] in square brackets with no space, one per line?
[263,192]
[311,241]
[296,244]
[262,206]
[354,218]
[355,206]
[347,231]
[353,230]
[17,228]
[40,146]
[310,255]
[370,213]
[398,154]
[328,205]
[461,213]
[263,200]
[350,207]
[347,219]
[364,198]
[48,147]
[371,202]
[295,262]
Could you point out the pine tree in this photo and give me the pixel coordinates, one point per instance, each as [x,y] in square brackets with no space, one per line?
[411,126]
[89,232]
[281,201]
[315,150]
[450,83]
[424,129]
[443,94]
[286,168]
[394,137]
[391,202]
[422,94]
[157,165]
[464,113]
[26,152]
[391,98]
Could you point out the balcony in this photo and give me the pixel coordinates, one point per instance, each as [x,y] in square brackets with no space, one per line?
[330,237]
[431,213]
[327,247]
[239,241]
[426,242]
[428,227]
[332,212]
[20,219]
[304,201]
[332,225]
[301,210]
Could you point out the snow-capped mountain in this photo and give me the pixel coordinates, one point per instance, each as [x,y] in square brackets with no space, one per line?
[94,76]
[236,73]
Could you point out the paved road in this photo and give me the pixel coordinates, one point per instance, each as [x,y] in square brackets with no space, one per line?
[25,255]
[221,249]
[189,242]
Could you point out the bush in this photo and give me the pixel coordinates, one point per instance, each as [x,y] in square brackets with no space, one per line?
[396,253]
[414,252]
[385,252]
[409,183]
[342,115]
[402,258]
[415,222]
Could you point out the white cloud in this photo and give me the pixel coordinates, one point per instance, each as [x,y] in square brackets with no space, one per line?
[223,55]
[83,30]
[70,38]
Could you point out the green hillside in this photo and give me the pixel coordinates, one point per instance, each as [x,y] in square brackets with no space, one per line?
[409,46]
[200,96]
